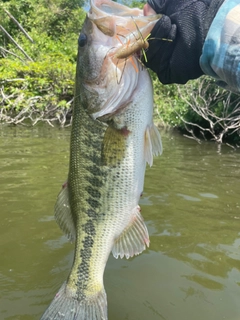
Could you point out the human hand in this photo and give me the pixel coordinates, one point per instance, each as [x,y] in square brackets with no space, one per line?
[178,38]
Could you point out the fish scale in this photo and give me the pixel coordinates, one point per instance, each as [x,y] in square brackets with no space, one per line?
[112,139]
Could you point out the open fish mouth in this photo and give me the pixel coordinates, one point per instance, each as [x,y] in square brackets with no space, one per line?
[118,36]
[129,28]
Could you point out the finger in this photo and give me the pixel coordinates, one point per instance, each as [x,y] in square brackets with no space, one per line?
[162,38]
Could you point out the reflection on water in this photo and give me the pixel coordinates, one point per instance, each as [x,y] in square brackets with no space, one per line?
[191,206]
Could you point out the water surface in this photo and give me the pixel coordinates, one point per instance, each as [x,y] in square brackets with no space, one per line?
[191,205]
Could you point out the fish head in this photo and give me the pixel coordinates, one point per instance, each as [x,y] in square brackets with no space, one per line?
[91,53]
[105,80]
[95,72]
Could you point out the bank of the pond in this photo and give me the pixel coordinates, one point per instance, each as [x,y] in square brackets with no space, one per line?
[45,94]
[43,91]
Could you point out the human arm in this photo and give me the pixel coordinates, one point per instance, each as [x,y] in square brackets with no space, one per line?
[221,50]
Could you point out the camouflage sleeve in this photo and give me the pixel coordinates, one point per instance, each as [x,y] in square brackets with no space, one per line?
[221,51]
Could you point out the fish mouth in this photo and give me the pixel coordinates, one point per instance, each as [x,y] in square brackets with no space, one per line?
[113,8]
[123,24]
[119,35]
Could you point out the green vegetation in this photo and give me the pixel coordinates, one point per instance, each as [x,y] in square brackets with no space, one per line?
[200,109]
[39,87]
[37,82]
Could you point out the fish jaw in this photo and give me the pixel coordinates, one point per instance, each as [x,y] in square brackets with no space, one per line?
[110,56]
[101,8]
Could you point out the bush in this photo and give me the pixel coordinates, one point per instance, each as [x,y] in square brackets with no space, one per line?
[41,89]
[200,108]
[168,106]
[44,88]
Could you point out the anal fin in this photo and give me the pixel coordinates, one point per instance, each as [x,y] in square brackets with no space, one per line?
[63,214]
[133,240]
[153,143]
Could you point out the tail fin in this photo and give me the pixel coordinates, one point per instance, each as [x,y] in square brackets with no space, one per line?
[66,307]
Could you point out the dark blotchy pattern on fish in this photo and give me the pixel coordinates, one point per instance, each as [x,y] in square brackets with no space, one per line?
[94,181]
[88,228]
[93,203]
[93,192]
[93,169]
[86,177]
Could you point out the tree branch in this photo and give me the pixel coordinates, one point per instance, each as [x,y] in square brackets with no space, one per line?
[19,25]
[16,44]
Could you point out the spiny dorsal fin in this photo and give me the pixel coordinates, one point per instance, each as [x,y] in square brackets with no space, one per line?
[133,239]
[153,143]
[63,214]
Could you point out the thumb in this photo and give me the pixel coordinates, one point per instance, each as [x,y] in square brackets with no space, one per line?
[162,38]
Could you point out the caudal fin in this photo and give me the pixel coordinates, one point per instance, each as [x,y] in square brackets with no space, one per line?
[66,307]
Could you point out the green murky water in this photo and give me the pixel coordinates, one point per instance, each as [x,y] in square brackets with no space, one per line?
[191,204]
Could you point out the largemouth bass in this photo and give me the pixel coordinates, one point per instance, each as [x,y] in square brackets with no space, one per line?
[112,139]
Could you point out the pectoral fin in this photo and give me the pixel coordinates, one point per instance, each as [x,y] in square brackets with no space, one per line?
[63,214]
[133,239]
[113,147]
[153,143]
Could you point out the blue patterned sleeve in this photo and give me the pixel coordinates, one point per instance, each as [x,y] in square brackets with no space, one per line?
[221,51]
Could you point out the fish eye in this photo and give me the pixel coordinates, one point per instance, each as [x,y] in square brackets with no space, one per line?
[82,40]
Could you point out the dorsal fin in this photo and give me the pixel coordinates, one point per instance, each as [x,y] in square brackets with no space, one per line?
[153,143]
